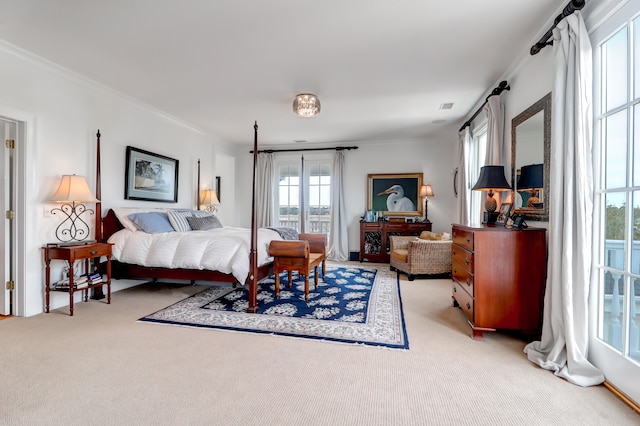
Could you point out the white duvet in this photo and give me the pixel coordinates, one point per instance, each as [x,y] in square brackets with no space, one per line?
[222,249]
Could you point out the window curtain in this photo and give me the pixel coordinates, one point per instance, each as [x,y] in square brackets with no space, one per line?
[338,241]
[564,341]
[462,205]
[264,193]
[495,131]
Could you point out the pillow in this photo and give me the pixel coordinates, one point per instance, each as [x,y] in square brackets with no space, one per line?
[152,222]
[428,235]
[123,213]
[204,223]
[178,219]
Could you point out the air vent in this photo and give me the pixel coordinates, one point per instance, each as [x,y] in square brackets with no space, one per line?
[300,141]
[447,105]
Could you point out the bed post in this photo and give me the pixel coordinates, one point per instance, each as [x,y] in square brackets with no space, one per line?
[253,260]
[198,186]
[97,291]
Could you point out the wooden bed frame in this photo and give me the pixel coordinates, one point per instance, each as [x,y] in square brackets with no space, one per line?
[109,224]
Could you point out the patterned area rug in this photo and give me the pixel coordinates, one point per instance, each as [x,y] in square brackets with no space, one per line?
[351,305]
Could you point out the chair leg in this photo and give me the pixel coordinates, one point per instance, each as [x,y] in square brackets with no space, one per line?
[277,285]
[315,277]
[324,269]
[289,277]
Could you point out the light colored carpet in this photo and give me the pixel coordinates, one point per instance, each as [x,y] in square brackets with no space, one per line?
[103,367]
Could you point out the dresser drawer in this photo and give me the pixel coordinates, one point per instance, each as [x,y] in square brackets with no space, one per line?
[463,276]
[462,237]
[464,299]
[462,256]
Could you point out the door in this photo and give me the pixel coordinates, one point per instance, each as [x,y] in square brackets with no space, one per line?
[614,311]
[7,234]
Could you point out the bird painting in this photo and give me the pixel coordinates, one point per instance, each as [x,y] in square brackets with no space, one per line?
[396,201]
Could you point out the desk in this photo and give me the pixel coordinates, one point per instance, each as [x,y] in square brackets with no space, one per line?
[71,254]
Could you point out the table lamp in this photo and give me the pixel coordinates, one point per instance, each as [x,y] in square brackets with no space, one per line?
[532,178]
[72,192]
[426,191]
[491,179]
[209,199]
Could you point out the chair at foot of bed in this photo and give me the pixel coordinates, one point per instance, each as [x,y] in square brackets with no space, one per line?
[303,255]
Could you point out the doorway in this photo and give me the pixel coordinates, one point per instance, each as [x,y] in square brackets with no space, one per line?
[9,129]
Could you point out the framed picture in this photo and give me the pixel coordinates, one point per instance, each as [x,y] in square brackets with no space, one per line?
[395,194]
[218,187]
[150,177]
[503,215]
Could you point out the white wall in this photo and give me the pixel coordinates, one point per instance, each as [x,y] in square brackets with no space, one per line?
[431,157]
[64,112]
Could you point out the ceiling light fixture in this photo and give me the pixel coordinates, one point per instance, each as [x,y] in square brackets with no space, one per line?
[306,105]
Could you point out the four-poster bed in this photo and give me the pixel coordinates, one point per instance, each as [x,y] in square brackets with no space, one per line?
[110,224]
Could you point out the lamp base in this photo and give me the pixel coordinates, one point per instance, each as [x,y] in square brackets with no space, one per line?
[490,217]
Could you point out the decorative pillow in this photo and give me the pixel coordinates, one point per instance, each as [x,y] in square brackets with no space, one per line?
[428,235]
[152,222]
[178,219]
[204,223]
[123,213]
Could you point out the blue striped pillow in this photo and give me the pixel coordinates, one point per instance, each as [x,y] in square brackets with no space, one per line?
[178,218]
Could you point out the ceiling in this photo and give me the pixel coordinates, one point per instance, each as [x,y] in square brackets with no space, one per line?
[381,68]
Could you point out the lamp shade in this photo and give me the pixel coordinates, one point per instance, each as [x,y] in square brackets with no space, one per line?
[306,105]
[492,179]
[426,191]
[73,189]
[209,198]
[531,177]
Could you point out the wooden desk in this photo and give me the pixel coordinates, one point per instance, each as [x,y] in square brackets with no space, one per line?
[71,254]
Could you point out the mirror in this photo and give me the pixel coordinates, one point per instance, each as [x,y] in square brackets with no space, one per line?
[530,147]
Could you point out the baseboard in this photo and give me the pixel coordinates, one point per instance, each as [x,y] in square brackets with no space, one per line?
[631,403]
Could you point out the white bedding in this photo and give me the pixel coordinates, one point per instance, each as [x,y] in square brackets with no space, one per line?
[223,249]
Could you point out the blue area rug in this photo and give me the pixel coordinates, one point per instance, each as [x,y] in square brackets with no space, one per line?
[351,305]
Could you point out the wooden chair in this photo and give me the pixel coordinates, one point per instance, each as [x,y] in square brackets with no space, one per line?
[301,255]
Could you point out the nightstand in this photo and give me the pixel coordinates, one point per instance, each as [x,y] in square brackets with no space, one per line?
[71,253]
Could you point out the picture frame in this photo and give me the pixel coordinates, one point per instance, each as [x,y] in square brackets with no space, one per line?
[217,184]
[503,214]
[403,202]
[518,222]
[150,177]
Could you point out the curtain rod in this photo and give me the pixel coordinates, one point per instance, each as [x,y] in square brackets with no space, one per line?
[495,92]
[337,148]
[571,7]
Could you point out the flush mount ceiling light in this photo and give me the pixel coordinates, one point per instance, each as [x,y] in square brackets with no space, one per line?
[306,105]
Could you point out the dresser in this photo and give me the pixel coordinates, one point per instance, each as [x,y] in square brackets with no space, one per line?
[374,238]
[498,277]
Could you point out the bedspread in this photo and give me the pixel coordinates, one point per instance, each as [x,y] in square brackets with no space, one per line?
[222,249]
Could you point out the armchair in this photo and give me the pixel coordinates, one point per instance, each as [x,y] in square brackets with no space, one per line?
[415,256]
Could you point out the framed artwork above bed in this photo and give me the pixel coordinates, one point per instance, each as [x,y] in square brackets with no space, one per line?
[150,177]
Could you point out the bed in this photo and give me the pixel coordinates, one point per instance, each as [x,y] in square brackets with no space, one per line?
[245,261]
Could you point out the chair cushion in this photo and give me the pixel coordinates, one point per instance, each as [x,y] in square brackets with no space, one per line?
[400,254]
[433,236]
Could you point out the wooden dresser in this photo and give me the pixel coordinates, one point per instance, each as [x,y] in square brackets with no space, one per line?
[374,237]
[499,277]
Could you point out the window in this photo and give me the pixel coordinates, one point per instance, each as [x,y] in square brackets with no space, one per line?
[476,151]
[315,187]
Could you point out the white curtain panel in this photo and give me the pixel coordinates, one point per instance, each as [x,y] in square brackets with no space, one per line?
[338,239]
[462,204]
[495,131]
[264,191]
[563,345]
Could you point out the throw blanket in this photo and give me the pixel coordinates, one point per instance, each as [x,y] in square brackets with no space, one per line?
[286,233]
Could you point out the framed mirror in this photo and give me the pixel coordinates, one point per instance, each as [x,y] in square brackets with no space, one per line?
[530,159]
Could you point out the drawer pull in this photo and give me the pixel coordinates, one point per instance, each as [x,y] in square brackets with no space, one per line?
[468,305]
[466,260]
[468,239]
[468,282]
[455,235]
[455,290]
[94,252]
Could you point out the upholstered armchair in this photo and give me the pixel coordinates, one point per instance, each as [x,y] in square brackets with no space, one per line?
[415,256]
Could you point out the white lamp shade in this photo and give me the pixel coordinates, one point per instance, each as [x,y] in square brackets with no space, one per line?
[73,189]
[426,191]
[209,198]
